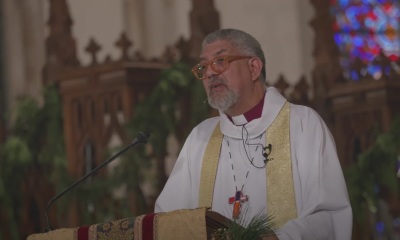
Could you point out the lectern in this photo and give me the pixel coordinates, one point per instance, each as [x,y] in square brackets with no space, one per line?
[192,224]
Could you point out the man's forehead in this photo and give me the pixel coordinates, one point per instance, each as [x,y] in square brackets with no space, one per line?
[210,54]
[216,48]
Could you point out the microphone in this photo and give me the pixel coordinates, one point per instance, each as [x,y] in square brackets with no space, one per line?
[267,153]
[141,138]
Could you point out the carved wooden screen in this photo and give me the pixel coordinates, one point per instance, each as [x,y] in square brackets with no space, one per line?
[97,101]
[356,81]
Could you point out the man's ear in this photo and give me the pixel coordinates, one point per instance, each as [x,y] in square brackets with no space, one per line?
[255,65]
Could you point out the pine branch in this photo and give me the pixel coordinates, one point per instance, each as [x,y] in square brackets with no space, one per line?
[259,226]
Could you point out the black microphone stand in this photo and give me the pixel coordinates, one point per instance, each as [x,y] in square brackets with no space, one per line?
[141,138]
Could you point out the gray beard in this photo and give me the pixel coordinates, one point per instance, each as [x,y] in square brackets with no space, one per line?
[223,102]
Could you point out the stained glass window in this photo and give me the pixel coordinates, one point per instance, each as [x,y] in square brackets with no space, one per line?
[365,28]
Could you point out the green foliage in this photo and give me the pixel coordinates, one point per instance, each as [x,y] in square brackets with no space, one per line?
[176,93]
[35,144]
[374,171]
[259,226]
[160,111]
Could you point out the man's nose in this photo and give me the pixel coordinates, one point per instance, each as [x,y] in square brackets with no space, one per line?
[210,72]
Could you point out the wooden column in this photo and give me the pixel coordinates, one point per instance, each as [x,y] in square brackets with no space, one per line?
[327,69]
[60,44]
[204,19]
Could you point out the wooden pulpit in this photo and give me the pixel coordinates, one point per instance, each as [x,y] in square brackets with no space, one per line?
[193,224]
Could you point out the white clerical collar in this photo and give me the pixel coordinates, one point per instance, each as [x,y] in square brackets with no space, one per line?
[273,102]
[250,115]
[239,120]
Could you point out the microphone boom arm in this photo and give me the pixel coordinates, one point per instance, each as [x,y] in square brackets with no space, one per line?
[141,138]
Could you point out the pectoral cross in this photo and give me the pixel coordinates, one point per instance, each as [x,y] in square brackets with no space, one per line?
[237,201]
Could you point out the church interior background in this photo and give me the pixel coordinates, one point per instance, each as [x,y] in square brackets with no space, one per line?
[78,79]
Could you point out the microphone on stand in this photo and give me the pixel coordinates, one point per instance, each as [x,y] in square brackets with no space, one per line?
[141,138]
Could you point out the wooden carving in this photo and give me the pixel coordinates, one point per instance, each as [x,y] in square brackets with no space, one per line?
[204,19]
[60,44]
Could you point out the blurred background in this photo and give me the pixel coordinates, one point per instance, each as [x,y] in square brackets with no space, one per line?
[80,79]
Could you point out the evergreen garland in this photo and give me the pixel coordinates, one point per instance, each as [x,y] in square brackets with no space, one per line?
[256,228]
[374,171]
[35,144]
[161,114]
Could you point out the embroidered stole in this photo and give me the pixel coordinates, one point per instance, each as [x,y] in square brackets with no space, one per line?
[281,201]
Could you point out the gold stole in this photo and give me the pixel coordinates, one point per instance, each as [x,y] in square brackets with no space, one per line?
[281,201]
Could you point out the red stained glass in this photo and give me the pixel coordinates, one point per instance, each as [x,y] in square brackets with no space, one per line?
[365,28]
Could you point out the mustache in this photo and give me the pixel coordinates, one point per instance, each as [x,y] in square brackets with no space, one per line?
[215,80]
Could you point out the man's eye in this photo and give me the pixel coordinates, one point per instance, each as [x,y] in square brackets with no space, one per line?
[219,61]
[201,67]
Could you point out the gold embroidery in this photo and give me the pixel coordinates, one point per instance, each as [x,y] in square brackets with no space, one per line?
[119,229]
[138,227]
[281,201]
[209,168]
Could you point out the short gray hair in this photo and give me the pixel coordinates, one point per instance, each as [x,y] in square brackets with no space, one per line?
[242,41]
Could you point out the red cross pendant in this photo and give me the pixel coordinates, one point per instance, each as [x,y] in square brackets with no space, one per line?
[237,201]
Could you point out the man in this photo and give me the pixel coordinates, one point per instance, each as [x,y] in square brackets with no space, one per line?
[262,154]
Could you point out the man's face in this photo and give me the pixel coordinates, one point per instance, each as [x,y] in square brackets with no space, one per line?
[226,89]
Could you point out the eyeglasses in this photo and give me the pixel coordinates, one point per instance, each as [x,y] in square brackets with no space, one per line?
[219,64]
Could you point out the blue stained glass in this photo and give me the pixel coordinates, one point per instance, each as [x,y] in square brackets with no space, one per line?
[365,28]
[369,23]
[380,227]
[354,75]
[358,41]
[337,38]
[370,43]
[372,69]
[343,2]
